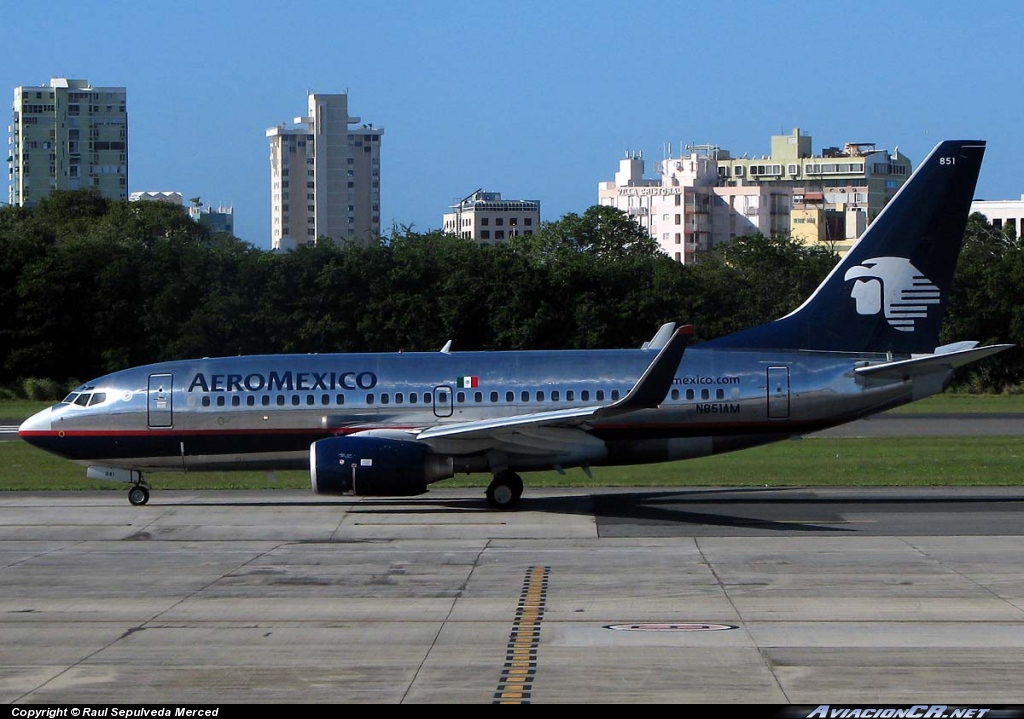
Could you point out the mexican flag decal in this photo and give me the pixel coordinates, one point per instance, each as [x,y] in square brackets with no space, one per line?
[464,382]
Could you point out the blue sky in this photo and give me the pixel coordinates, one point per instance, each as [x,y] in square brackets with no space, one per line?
[536,100]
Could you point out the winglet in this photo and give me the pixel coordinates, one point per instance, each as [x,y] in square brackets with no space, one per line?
[661,337]
[650,390]
[447,349]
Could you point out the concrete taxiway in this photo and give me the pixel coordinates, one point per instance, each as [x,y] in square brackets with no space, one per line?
[800,596]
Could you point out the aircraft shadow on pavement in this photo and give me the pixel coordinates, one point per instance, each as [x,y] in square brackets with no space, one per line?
[783,509]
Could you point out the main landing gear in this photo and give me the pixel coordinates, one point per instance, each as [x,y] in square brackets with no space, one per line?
[138,494]
[505,490]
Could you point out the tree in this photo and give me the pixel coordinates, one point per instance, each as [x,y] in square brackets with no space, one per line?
[601,230]
[754,279]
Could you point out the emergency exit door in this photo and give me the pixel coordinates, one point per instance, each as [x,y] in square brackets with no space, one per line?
[778,392]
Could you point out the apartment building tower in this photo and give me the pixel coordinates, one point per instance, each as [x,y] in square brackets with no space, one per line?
[705,196]
[324,176]
[67,135]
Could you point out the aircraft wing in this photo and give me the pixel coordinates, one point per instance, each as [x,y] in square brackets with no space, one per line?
[927,364]
[648,392]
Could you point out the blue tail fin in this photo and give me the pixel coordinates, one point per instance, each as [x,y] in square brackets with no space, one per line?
[888,293]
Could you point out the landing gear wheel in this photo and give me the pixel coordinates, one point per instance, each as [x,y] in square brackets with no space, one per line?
[138,494]
[505,490]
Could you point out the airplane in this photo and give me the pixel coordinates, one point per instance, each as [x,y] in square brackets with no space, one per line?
[390,424]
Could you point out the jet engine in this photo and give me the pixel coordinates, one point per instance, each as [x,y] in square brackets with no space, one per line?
[374,466]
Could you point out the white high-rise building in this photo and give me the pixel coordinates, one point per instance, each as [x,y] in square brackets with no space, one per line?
[68,135]
[324,176]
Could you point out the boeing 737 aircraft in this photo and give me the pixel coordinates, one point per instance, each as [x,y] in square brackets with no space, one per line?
[391,424]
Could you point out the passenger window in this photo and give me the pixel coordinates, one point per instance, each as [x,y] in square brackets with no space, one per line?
[600,395]
[206,401]
[369,399]
[412,398]
[384,398]
[494,396]
[460,397]
[325,399]
[569,395]
[339,399]
[235,400]
[399,398]
[510,396]
[310,400]
[540,396]
[585,395]
[675,394]
[280,400]
[295,400]
[705,394]
[719,394]
[220,400]
[689,394]
[441,397]
[554,395]
[478,396]
[265,401]
[615,395]
[251,401]
[525,396]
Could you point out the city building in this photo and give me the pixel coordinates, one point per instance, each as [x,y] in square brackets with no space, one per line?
[836,194]
[683,209]
[172,198]
[1002,213]
[706,196]
[68,135]
[220,220]
[324,176]
[217,220]
[485,217]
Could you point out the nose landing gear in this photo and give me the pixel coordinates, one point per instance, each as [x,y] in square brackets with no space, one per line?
[138,494]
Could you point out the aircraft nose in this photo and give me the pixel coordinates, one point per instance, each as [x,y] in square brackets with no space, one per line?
[39,422]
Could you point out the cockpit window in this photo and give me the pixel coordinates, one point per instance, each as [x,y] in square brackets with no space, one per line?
[97,398]
[70,398]
[83,399]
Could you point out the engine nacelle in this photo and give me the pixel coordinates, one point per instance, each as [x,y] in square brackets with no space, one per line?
[374,467]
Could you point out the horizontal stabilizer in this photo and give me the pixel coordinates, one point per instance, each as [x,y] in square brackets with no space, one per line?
[927,364]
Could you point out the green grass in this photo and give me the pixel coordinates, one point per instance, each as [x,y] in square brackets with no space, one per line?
[20,409]
[839,462]
[954,403]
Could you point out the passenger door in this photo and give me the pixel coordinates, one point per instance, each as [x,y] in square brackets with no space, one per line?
[161,400]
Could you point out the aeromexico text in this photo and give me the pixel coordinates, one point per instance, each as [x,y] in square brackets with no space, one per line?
[282,381]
